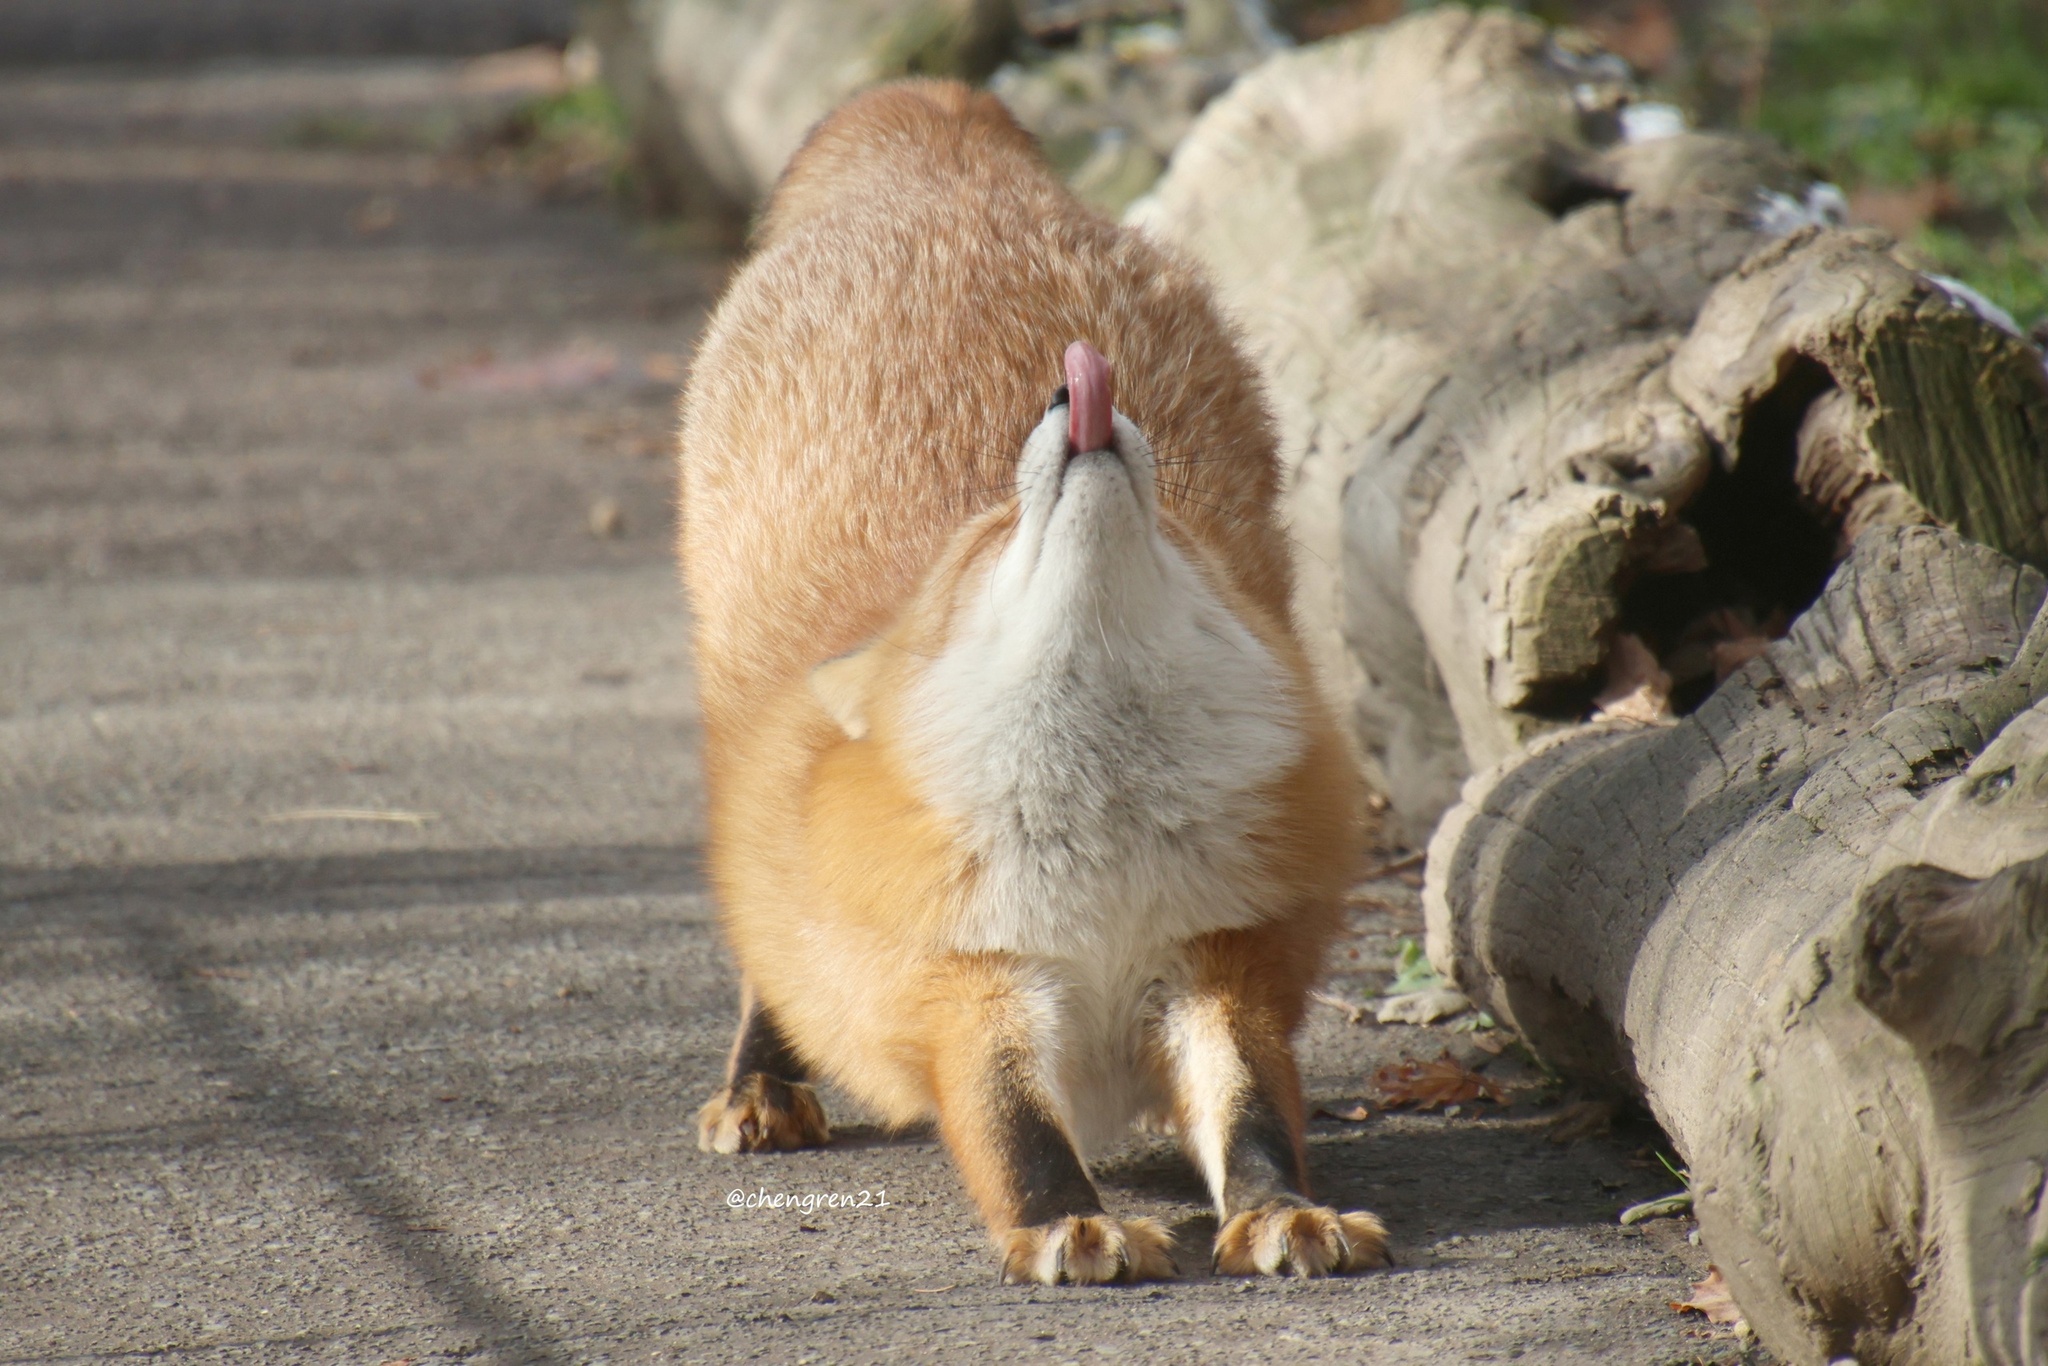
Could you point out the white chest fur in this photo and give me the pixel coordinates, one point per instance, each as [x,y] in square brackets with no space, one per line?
[1102,730]
[1101,727]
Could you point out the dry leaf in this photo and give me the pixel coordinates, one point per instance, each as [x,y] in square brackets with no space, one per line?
[375,215]
[1711,1298]
[1422,1007]
[1677,549]
[607,519]
[665,367]
[1490,1041]
[1354,1011]
[1352,1114]
[434,376]
[1732,654]
[1432,1085]
[1646,705]
[573,367]
[535,70]
[627,438]
[1395,867]
[1637,688]
[1718,642]
[1581,1119]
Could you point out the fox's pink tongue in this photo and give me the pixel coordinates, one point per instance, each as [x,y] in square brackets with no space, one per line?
[1087,398]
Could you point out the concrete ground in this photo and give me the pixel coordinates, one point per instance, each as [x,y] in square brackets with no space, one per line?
[358,981]
[41,31]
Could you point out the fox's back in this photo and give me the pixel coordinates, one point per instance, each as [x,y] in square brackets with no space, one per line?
[865,384]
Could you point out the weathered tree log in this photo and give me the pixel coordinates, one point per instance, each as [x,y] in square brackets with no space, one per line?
[1544,387]
[1581,423]
[1809,922]
[719,93]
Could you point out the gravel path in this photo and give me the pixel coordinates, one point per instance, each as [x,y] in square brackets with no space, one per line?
[358,983]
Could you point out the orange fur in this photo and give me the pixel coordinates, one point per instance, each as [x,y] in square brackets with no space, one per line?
[849,438]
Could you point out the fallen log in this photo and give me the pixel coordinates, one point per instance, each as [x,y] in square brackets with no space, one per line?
[1809,923]
[718,95]
[1584,414]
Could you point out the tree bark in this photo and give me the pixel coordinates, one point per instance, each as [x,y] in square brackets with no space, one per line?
[1809,922]
[1543,386]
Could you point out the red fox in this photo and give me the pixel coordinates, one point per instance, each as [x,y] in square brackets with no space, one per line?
[1026,813]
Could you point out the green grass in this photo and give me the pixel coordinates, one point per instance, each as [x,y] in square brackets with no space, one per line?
[584,112]
[579,138]
[1948,97]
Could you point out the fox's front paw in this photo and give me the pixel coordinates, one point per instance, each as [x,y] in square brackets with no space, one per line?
[1088,1250]
[1287,1237]
[762,1114]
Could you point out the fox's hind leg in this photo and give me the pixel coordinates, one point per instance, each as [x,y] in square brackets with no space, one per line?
[1238,1094]
[765,1105]
[990,1026]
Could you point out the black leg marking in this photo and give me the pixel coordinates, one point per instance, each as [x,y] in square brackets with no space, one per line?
[764,1105]
[759,1045]
[1045,1173]
[1259,1159]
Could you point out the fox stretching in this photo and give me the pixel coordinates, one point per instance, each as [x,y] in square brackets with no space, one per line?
[1026,813]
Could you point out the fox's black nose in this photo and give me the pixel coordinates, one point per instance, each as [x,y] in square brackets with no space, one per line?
[1059,399]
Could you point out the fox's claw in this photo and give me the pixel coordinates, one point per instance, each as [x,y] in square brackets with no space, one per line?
[1286,1237]
[1088,1250]
[762,1114]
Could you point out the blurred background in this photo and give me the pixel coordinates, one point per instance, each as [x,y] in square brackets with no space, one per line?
[1932,116]
[413,282]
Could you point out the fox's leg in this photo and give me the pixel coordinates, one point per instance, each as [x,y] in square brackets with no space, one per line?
[989,1025]
[764,1105]
[1238,1097]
